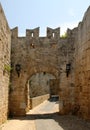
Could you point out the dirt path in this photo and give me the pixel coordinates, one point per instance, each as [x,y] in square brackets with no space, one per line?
[46,117]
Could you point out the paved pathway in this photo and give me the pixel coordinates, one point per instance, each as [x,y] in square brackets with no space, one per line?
[46,117]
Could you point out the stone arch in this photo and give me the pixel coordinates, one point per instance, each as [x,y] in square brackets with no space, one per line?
[19,97]
[39,86]
[38,69]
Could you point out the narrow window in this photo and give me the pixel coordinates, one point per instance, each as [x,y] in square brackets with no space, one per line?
[32,34]
[53,34]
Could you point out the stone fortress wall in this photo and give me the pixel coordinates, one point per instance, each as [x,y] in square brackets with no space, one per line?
[82,66]
[5,50]
[67,59]
[36,54]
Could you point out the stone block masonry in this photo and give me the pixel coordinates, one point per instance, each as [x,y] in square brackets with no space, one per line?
[5,47]
[35,101]
[41,55]
[82,71]
[67,59]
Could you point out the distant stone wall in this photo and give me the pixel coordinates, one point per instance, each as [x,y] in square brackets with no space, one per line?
[82,67]
[38,100]
[54,86]
[40,84]
[5,47]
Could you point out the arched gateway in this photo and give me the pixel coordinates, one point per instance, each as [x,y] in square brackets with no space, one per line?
[33,54]
[67,58]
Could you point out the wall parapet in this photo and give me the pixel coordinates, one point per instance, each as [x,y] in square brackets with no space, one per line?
[35,101]
[35,33]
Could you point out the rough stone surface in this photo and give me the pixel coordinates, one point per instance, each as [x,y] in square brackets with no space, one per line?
[5,48]
[35,101]
[40,84]
[67,59]
[82,71]
[41,55]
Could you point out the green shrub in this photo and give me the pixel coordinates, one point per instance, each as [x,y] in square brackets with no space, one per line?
[7,68]
[64,35]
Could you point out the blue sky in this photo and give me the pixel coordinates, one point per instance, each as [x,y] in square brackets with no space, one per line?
[44,13]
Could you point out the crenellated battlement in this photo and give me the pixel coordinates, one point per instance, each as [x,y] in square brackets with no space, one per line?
[53,33]
[14,32]
[67,58]
[32,33]
[35,33]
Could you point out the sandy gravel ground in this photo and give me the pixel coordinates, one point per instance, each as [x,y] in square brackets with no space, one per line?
[46,117]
